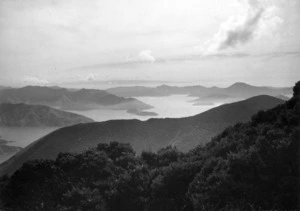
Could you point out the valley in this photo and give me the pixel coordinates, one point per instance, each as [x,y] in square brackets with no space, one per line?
[151,135]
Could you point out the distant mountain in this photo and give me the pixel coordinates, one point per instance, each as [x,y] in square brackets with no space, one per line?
[236,91]
[18,115]
[163,90]
[185,133]
[243,89]
[66,99]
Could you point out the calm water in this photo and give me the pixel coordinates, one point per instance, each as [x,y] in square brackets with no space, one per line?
[175,106]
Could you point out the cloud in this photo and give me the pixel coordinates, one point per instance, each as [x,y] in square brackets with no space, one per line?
[34,80]
[241,33]
[270,22]
[146,56]
[91,77]
[237,30]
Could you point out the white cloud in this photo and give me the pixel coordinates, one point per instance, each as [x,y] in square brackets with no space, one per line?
[91,77]
[34,80]
[146,56]
[257,21]
[270,22]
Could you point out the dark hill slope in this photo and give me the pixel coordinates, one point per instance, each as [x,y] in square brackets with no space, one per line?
[16,115]
[202,127]
[253,165]
[185,133]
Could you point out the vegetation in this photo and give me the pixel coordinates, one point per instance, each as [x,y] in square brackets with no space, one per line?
[249,166]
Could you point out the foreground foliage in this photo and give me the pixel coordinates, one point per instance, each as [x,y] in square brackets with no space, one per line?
[248,166]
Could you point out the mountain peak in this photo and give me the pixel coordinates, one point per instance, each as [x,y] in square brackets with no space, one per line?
[263,98]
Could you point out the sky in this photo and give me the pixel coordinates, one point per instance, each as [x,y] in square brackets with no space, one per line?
[207,42]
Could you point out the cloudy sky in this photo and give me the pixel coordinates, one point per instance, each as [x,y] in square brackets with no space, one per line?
[209,42]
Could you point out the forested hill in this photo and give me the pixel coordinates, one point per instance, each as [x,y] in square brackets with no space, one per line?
[249,166]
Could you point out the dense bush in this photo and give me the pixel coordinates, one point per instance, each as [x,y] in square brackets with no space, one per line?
[248,166]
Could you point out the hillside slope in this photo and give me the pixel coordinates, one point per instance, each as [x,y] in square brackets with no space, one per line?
[18,115]
[185,133]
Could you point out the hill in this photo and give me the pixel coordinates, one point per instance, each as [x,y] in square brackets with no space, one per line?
[19,115]
[205,94]
[65,99]
[184,133]
[248,166]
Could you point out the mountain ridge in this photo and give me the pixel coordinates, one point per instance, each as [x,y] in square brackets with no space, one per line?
[238,90]
[19,115]
[67,99]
